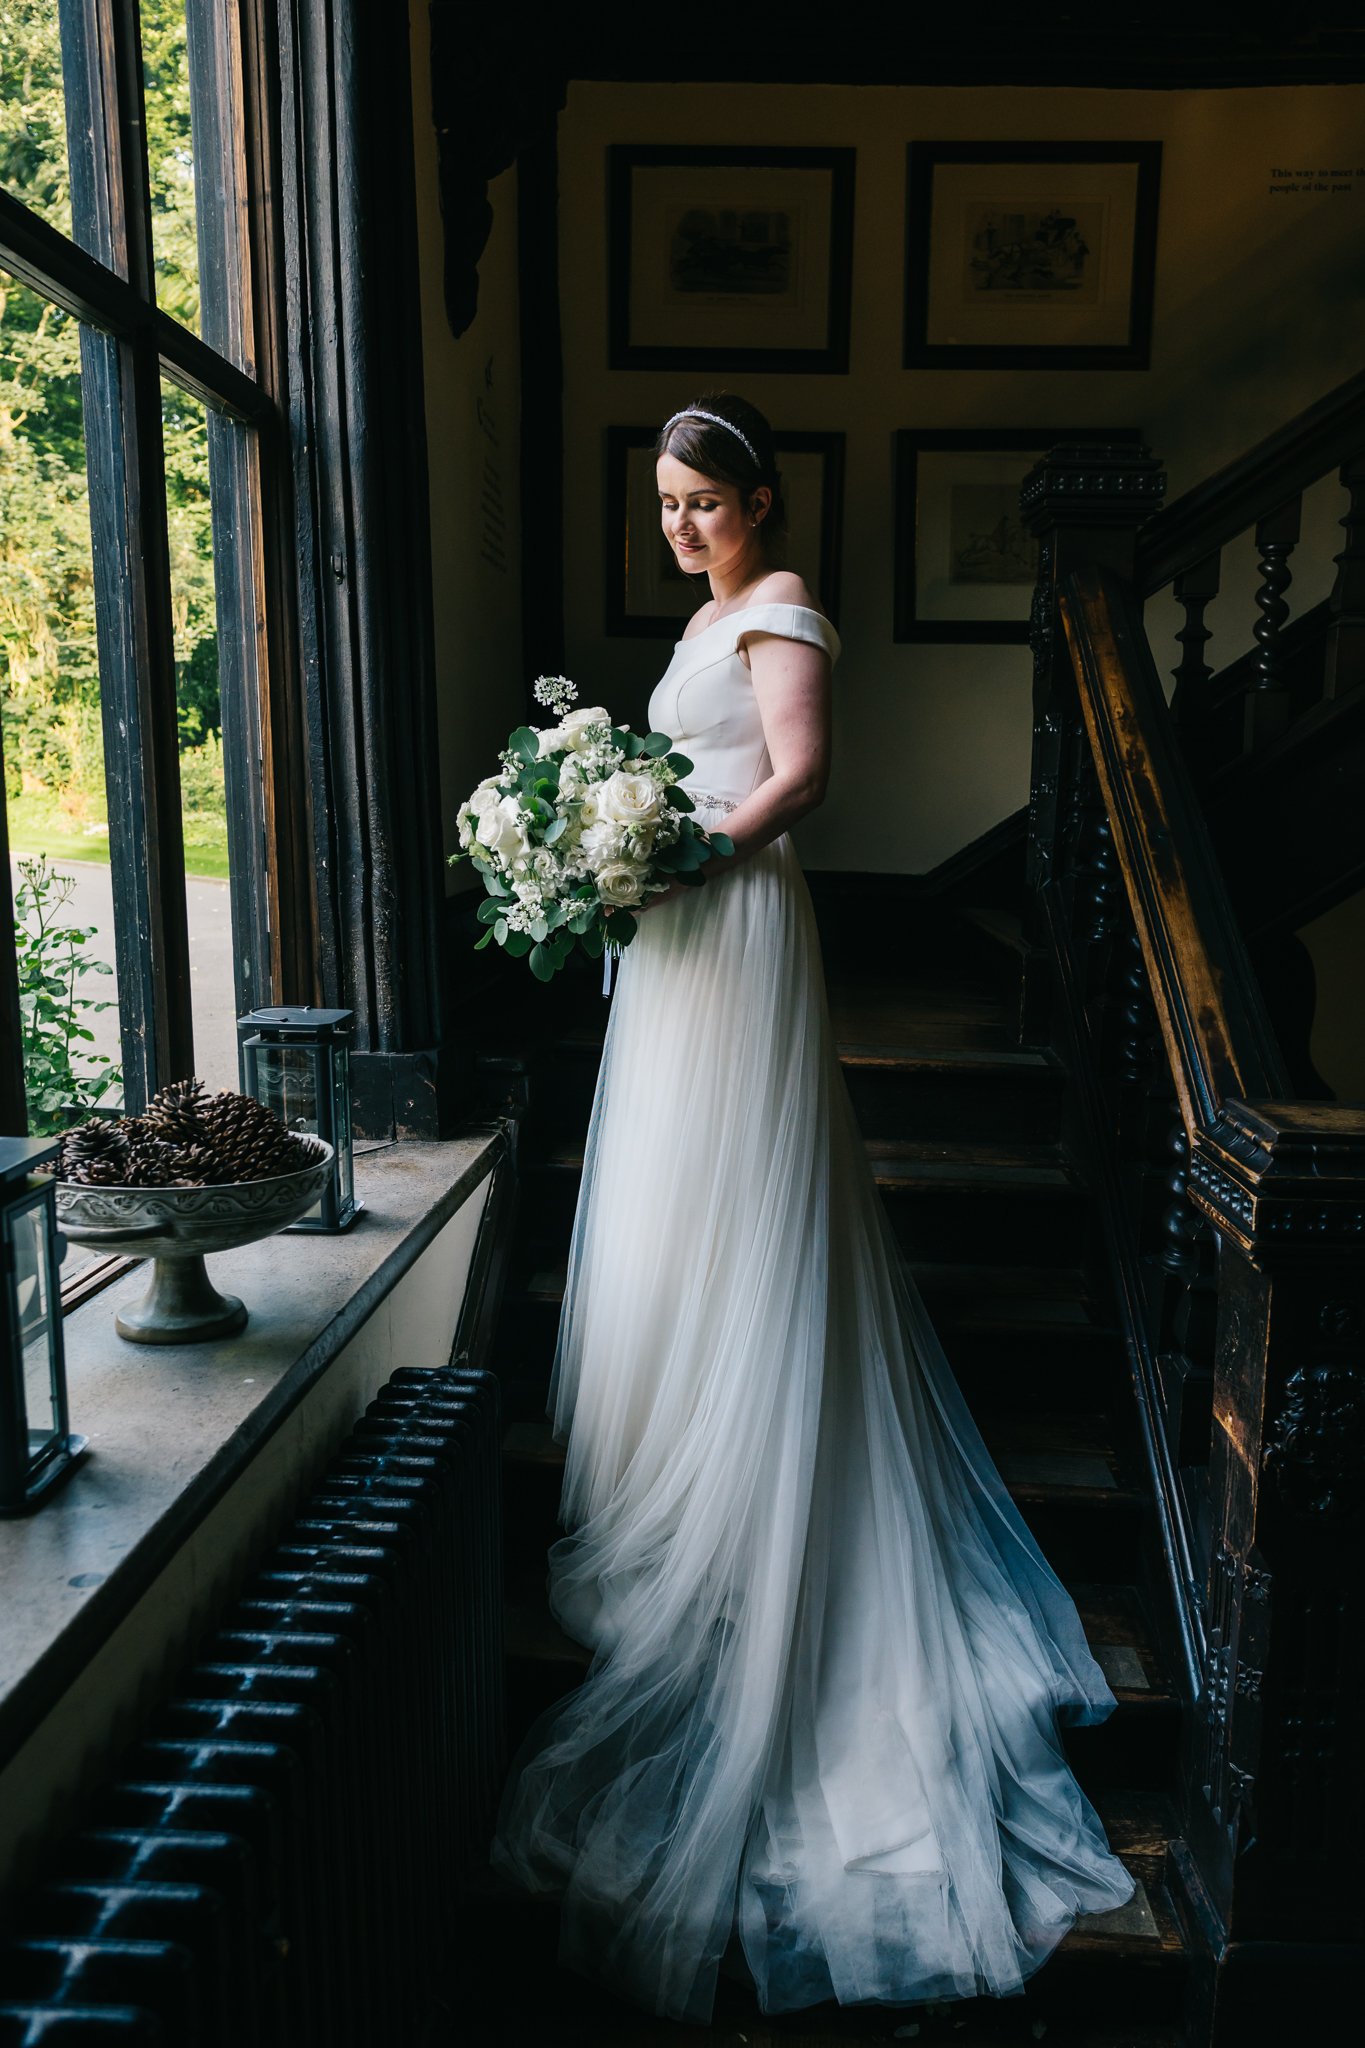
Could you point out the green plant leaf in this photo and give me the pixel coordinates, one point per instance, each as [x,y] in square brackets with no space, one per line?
[656,744]
[542,962]
[721,842]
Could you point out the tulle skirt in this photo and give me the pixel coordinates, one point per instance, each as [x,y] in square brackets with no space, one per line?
[829,1658]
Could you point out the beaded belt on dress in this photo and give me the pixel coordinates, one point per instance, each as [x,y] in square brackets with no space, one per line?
[717,803]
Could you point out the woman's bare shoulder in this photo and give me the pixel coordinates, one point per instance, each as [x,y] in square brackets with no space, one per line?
[784,586]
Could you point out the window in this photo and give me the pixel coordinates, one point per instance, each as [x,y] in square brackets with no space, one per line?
[144,473]
[148,617]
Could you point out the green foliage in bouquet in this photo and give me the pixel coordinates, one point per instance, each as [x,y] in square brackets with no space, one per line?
[529,831]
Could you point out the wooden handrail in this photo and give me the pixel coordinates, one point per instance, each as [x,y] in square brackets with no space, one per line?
[1230,501]
[1218,1038]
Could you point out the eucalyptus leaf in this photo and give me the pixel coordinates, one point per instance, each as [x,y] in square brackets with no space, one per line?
[721,842]
[542,963]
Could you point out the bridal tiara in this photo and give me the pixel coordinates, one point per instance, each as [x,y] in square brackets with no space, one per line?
[694,412]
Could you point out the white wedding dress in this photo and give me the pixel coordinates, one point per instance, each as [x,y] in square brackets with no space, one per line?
[829,1657]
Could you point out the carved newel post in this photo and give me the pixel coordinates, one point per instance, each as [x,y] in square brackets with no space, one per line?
[1083,503]
[1276,1754]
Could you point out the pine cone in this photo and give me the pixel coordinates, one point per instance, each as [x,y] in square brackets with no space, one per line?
[249,1138]
[94,1143]
[150,1159]
[176,1111]
[197,1166]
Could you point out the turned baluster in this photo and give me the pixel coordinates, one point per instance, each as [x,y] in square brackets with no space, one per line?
[1268,700]
[1137,1019]
[1194,590]
[1345,663]
[1180,1224]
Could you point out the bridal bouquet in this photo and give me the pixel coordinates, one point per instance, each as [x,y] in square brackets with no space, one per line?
[583,821]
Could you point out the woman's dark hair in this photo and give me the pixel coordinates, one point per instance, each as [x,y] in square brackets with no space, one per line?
[715,452]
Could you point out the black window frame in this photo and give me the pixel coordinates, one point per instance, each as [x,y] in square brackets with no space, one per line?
[104,275]
[321,538]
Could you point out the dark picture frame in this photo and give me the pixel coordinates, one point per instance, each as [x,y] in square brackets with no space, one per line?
[729,259]
[646,595]
[959,540]
[1007,268]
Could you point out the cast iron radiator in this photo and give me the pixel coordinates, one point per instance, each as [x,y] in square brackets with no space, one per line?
[278,1859]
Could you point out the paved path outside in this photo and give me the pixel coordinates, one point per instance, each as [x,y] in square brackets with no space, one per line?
[212,1002]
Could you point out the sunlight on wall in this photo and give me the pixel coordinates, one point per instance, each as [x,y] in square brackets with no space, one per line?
[1257,313]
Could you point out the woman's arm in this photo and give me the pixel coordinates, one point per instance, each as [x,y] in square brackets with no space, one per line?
[792,686]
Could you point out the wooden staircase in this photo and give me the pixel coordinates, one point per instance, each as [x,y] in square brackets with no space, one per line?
[962,1129]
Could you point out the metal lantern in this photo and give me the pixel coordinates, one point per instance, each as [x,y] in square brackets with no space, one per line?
[297,1062]
[36,1448]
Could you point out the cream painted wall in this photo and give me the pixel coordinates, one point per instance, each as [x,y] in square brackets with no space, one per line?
[1258,312]
[473,455]
[1337,943]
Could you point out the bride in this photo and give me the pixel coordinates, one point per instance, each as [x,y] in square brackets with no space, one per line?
[820,1726]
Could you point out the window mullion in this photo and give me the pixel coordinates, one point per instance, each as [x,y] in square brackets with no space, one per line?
[137,670]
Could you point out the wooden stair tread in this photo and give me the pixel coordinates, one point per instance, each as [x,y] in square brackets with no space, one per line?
[902,1165]
[1058,1294]
[1110,1615]
[915,1056]
[1059,1458]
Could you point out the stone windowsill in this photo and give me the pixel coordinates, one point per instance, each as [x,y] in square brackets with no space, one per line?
[172,1427]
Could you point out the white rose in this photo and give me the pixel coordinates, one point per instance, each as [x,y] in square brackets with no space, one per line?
[590,808]
[575,724]
[552,738]
[631,799]
[503,831]
[620,883]
[486,797]
[603,843]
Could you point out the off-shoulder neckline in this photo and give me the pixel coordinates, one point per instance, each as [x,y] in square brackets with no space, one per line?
[770,604]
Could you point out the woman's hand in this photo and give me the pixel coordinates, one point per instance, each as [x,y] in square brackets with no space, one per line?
[675,888]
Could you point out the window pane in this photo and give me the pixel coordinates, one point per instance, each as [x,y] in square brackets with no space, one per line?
[170,158]
[32,116]
[185,426]
[56,806]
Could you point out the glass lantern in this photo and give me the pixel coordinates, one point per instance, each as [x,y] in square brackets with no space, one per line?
[36,1448]
[297,1062]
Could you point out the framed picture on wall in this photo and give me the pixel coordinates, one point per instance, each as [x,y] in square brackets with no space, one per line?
[965,562]
[647,595]
[729,259]
[1030,255]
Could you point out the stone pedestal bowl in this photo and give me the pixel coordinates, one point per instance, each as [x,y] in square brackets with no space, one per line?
[175,1227]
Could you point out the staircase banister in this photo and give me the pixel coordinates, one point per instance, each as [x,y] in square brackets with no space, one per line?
[1218,1039]
[1283,1176]
[1206,518]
